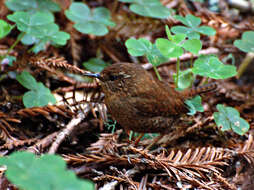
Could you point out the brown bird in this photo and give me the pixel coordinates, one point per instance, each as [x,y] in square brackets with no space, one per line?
[140,103]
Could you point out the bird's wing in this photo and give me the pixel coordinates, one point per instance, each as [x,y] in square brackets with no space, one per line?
[159,103]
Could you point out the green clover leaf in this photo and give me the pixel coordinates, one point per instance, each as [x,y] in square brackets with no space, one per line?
[5,28]
[173,46]
[149,8]
[39,29]
[31,23]
[89,22]
[169,48]
[142,47]
[192,45]
[39,95]
[185,79]
[138,47]
[246,44]
[211,66]
[32,5]
[228,118]
[194,105]
[192,30]
[29,172]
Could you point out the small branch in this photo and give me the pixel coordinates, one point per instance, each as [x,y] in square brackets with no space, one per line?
[65,132]
[184,57]
[243,66]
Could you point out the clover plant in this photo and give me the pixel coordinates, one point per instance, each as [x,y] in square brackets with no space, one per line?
[210,66]
[228,118]
[5,28]
[89,22]
[39,95]
[192,28]
[143,47]
[186,77]
[174,47]
[245,44]
[194,105]
[33,5]
[31,172]
[39,25]
[150,8]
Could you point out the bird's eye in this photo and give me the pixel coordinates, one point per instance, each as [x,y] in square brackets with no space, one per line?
[113,77]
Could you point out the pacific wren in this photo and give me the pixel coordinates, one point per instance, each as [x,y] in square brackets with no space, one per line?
[140,103]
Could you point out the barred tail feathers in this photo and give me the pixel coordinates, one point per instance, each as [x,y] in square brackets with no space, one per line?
[199,90]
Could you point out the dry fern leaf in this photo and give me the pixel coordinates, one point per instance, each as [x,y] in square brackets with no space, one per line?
[54,62]
[246,150]
[46,111]
[5,127]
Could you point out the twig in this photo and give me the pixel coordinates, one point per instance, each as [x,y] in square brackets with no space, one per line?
[65,132]
[184,57]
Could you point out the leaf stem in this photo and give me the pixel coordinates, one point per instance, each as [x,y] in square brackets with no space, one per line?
[157,72]
[16,42]
[177,71]
[191,61]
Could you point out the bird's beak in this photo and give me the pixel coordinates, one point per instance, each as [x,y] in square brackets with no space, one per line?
[94,75]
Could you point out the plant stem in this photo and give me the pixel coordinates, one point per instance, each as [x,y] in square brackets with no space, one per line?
[177,71]
[157,72]
[244,64]
[15,43]
[191,61]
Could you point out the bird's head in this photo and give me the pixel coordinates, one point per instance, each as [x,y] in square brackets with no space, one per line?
[119,76]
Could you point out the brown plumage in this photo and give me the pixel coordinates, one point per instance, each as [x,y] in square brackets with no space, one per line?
[141,103]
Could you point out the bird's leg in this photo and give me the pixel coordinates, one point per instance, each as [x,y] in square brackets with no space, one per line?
[155,140]
[138,139]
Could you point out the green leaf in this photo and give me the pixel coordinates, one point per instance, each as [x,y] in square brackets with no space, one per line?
[190,20]
[206,30]
[5,28]
[31,23]
[185,79]
[211,66]
[39,95]
[29,39]
[95,65]
[138,47]
[192,45]
[155,57]
[32,5]
[39,45]
[246,44]
[29,172]
[178,38]
[194,105]
[229,118]
[184,30]
[27,80]
[192,30]
[39,28]
[149,8]
[142,47]
[51,33]
[169,35]
[168,48]
[88,22]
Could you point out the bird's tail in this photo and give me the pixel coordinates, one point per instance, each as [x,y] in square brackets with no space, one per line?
[199,90]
